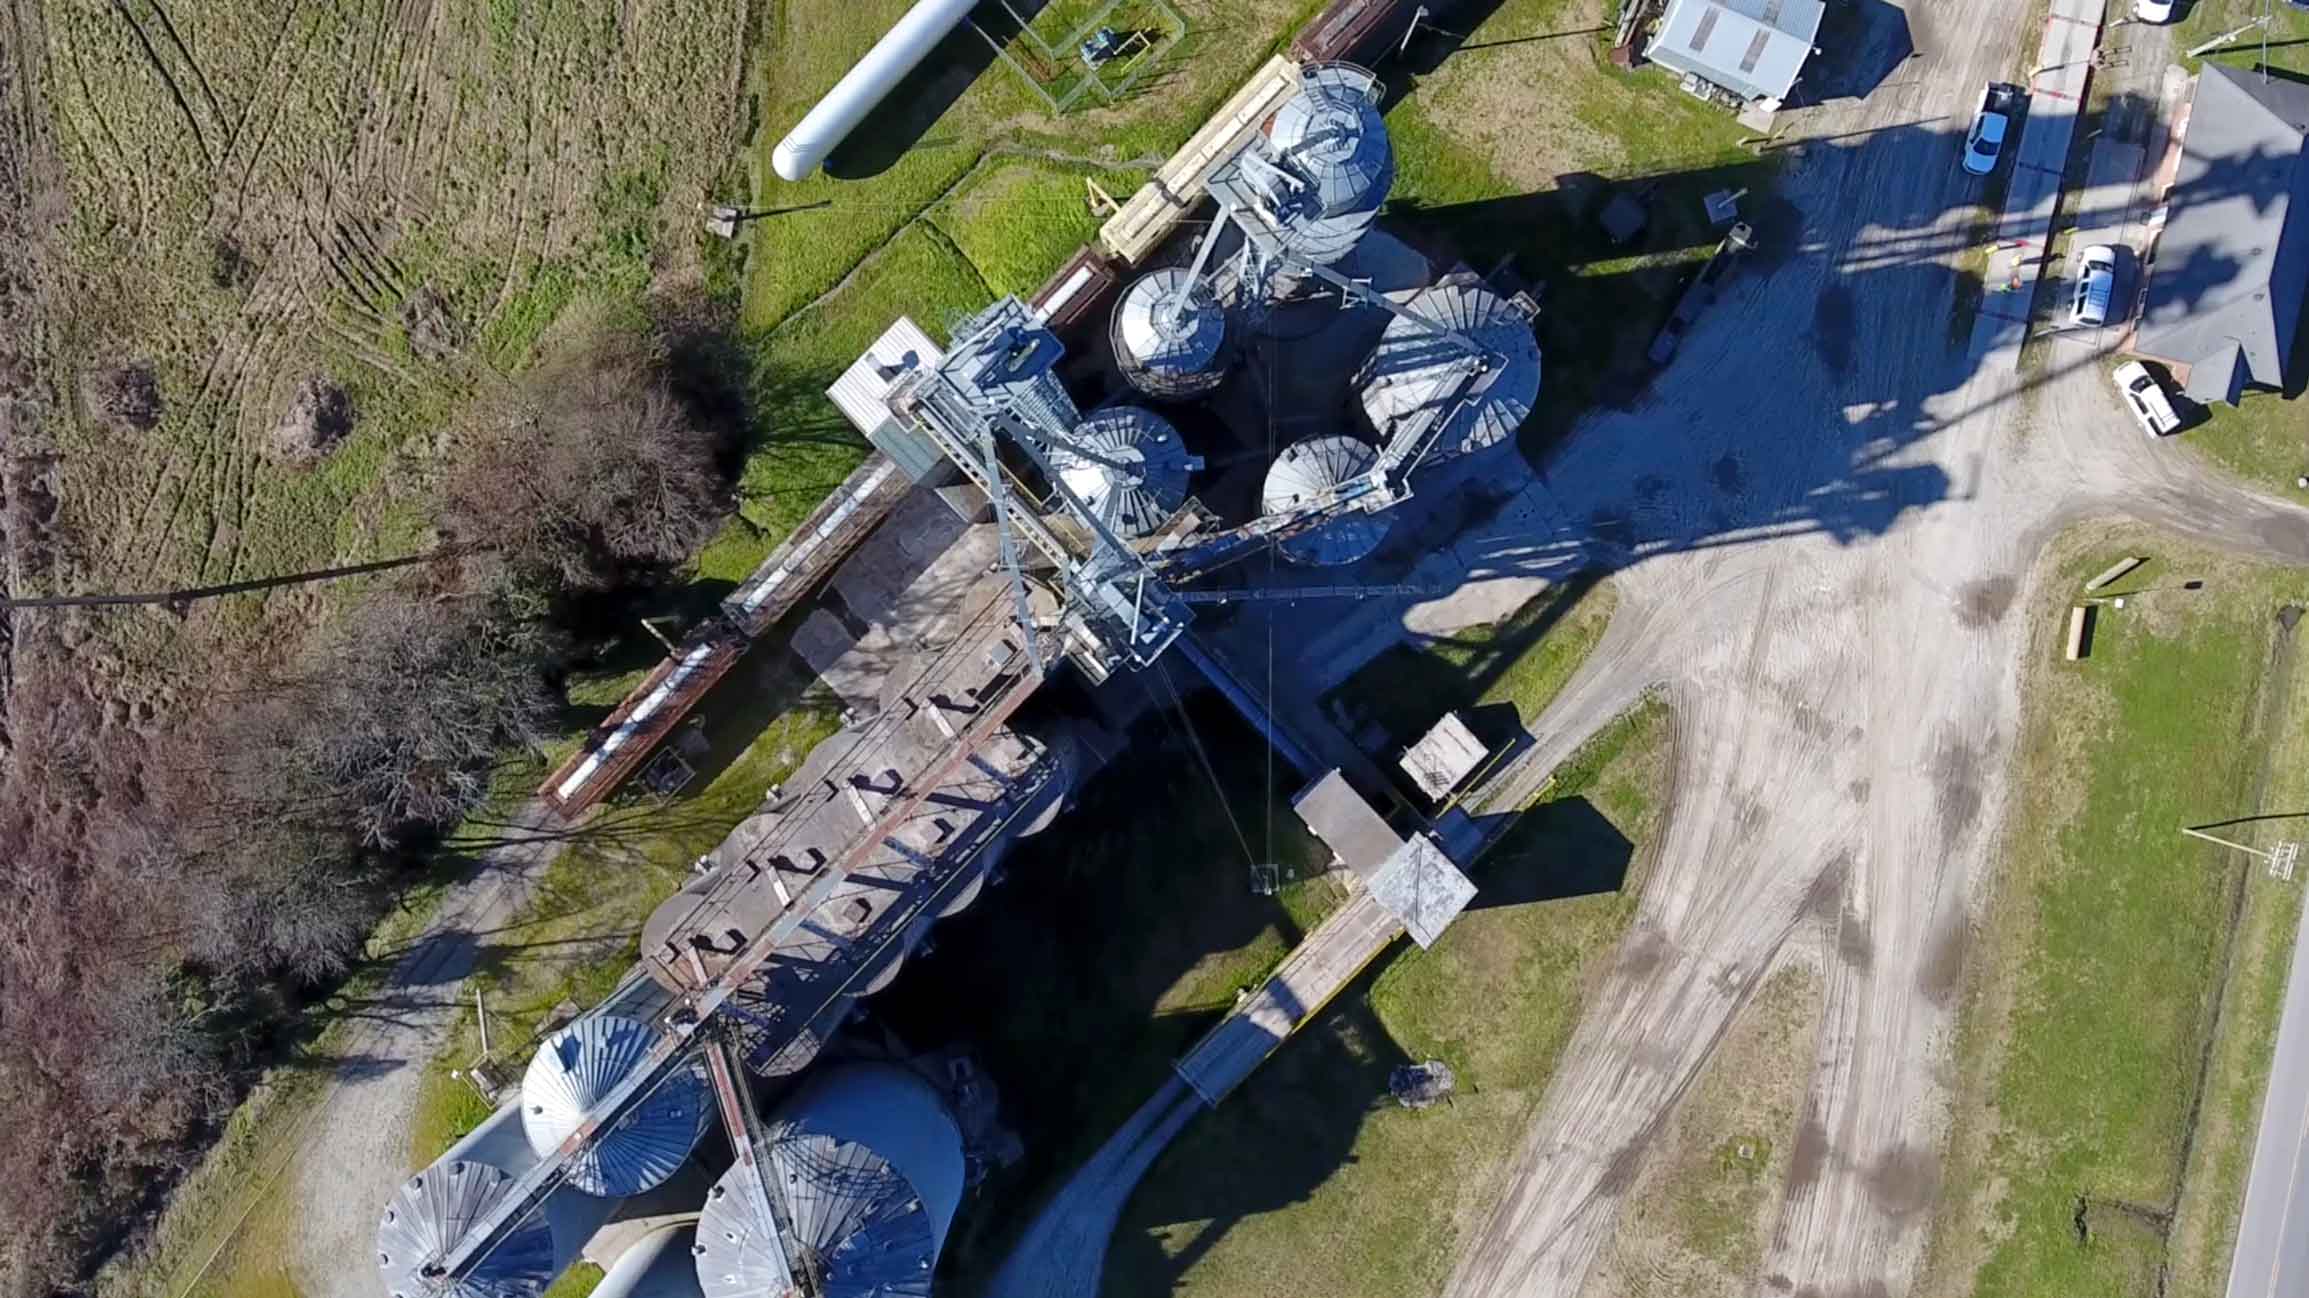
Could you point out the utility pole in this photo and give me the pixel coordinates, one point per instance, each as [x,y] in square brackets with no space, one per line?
[2224,38]
[2281,861]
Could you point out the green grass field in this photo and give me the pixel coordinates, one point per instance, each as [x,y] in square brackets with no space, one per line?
[2126,974]
[1521,661]
[1310,1179]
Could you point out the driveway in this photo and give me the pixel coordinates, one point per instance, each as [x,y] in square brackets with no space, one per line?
[1822,522]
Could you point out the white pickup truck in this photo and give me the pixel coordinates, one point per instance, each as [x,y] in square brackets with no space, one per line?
[2000,104]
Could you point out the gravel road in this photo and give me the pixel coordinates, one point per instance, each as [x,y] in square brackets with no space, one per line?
[1822,536]
[354,1149]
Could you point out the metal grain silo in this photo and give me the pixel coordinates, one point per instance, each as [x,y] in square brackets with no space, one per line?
[433,1210]
[661,1264]
[580,1065]
[1416,374]
[1331,133]
[1300,476]
[1327,164]
[864,1165]
[1129,466]
[1169,334]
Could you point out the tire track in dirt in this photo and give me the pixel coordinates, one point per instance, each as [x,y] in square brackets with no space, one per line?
[175,92]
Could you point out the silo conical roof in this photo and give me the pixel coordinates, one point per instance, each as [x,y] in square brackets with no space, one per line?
[1168,332]
[865,1165]
[579,1066]
[435,1209]
[1128,465]
[1301,475]
[1415,373]
[1330,133]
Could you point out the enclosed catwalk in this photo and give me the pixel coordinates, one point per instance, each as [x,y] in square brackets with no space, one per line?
[1128,465]
[1416,374]
[434,1209]
[1300,477]
[580,1065]
[1169,334]
[864,1168]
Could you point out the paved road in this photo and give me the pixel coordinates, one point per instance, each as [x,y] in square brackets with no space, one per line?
[2272,1257]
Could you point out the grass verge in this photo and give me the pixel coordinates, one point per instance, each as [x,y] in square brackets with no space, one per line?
[1310,1180]
[2122,996]
[1519,662]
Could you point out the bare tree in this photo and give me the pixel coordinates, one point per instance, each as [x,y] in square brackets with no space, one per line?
[394,717]
[588,467]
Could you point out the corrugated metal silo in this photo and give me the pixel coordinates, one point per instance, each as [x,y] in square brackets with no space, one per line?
[1169,334]
[865,1166]
[1415,374]
[433,1210]
[575,1069]
[1131,469]
[1303,473]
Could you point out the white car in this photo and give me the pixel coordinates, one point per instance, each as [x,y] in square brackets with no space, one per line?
[2153,11]
[2096,286]
[1984,143]
[2146,398]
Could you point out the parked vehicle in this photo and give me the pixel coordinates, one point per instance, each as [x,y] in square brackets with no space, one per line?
[2153,11]
[2096,286]
[2146,398]
[1984,143]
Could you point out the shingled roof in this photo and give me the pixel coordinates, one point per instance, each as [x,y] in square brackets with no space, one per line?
[2232,265]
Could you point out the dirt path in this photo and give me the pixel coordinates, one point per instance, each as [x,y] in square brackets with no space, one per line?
[1822,521]
[352,1149]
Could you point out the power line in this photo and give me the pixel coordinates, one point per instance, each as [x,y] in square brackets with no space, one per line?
[177,599]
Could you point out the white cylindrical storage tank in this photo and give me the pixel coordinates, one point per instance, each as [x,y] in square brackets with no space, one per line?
[1301,475]
[1332,135]
[661,1264]
[1131,468]
[433,1209]
[580,1065]
[865,1162]
[1169,332]
[864,85]
[1415,373]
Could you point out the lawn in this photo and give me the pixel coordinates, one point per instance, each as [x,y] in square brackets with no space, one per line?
[258,196]
[2265,440]
[1310,1180]
[1112,943]
[2123,991]
[1520,662]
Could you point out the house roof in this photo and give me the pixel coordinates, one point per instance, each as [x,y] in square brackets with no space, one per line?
[1754,47]
[2232,265]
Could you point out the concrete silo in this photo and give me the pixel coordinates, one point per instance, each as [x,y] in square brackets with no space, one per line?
[433,1210]
[580,1065]
[1415,374]
[1300,476]
[864,1167]
[1129,466]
